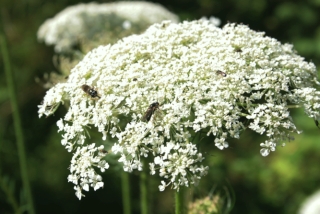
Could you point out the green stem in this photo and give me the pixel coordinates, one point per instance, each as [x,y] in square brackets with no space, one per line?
[143,191]
[179,201]
[125,185]
[17,122]
[7,187]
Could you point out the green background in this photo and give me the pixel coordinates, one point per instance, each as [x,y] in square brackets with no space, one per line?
[277,183]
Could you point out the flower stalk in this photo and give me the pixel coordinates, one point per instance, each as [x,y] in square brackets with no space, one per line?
[143,192]
[16,122]
[126,199]
[180,207]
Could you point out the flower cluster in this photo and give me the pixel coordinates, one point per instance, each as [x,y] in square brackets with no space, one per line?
[208,80]
[208,205]
[87,24]
[82,173]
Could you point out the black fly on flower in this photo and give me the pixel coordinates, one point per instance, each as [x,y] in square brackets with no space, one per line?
[150,111]
[221,73]
[90,91]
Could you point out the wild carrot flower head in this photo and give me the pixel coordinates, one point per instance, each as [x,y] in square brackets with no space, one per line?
[217,81]
[93,24]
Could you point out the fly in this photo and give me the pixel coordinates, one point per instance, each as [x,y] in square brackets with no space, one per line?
[90,91]
[221,73]
[150,111]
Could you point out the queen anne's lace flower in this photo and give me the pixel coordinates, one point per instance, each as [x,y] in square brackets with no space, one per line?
[217,81]
[84,23]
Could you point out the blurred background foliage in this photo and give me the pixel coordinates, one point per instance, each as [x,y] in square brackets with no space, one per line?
[277,183]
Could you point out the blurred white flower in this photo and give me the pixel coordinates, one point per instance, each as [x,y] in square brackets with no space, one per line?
[207,80]
[87,23]
[311,205]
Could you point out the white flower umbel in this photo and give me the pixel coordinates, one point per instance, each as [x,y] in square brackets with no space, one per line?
[208,80]
[82,173]
[85,24]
